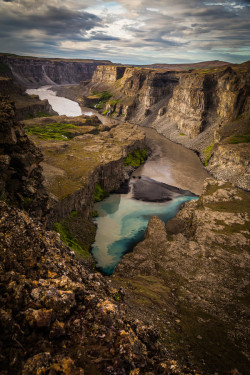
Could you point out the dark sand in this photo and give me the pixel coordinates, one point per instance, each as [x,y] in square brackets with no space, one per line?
[149,190]
[172,164]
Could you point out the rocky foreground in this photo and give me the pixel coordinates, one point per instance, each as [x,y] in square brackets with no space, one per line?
[56,315]
[191,279]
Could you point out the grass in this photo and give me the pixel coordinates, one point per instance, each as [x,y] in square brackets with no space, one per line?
[67,237]
[136,158]
[100,193]
[113,102]
[77,233]
[104,98]
[239,139]
[95,213]
[208,153]
[182,134]
[55,131]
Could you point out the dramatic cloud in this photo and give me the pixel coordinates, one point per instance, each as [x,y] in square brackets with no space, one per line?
[129,31]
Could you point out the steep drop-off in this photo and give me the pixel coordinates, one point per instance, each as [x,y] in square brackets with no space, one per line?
[187,107]
[35,72]
[57,317]
[193,274]
[88,153]
[21,173]
[26,106]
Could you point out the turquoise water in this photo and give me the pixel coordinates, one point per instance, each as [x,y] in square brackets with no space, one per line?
[121,225]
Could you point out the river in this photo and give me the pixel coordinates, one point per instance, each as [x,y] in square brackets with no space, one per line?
[122,219]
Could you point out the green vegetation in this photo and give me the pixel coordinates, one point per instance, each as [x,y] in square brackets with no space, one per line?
[136,158]
[77,232]
[67,238]
[56,131]
[104,97]
[113,102]
[95,213]
[100,193]
[182,134]
[239,139]
[117,296]
[208,153]
[38,114]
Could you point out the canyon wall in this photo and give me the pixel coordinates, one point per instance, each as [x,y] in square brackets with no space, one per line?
[25,105]
[193,274]
[21,174]
[35,72]
[56,315]
[189,108]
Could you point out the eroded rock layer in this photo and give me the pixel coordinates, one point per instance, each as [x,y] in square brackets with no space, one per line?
[190,108]
[21,173]
[193,275]
[35,72]
[56,316]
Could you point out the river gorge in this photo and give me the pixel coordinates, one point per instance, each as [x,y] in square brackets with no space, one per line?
[122,219]
[167,288]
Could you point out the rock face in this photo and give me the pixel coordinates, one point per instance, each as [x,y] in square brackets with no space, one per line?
[94,154]
[26,105]
[55,315]
[187,107]
[190,101]
[196,280]
[35,72]
[21,173]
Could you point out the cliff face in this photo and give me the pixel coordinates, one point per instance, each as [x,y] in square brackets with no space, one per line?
[190,101]
[21,173]
[92,154]
[56,316]
[193,274]
[35,72]
[187,107]
[25,105]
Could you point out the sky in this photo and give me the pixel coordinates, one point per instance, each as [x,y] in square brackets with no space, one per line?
[128,31]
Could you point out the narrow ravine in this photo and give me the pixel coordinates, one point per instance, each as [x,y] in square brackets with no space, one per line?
[123,219]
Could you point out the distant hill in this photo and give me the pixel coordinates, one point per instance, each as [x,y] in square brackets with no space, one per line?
[188,66]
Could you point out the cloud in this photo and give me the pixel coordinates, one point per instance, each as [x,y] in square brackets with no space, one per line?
[131,30]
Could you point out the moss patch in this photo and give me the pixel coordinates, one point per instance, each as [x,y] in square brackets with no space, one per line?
[100,193]
[77,233]
[136,158]
[208,153]
[57,131]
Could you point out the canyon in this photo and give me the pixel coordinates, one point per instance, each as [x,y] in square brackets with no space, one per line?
[179,302]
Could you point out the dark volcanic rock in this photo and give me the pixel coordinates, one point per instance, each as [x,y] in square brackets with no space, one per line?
[193,274]
[149,190]
[35,72]
[58,318]
[21,173]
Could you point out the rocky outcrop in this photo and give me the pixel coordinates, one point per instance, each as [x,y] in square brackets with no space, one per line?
[21,173]
[187,107]
[229,155]
[26,106]
[58,317]
[189,101]
[93,154]
[194,275]
[35,72]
